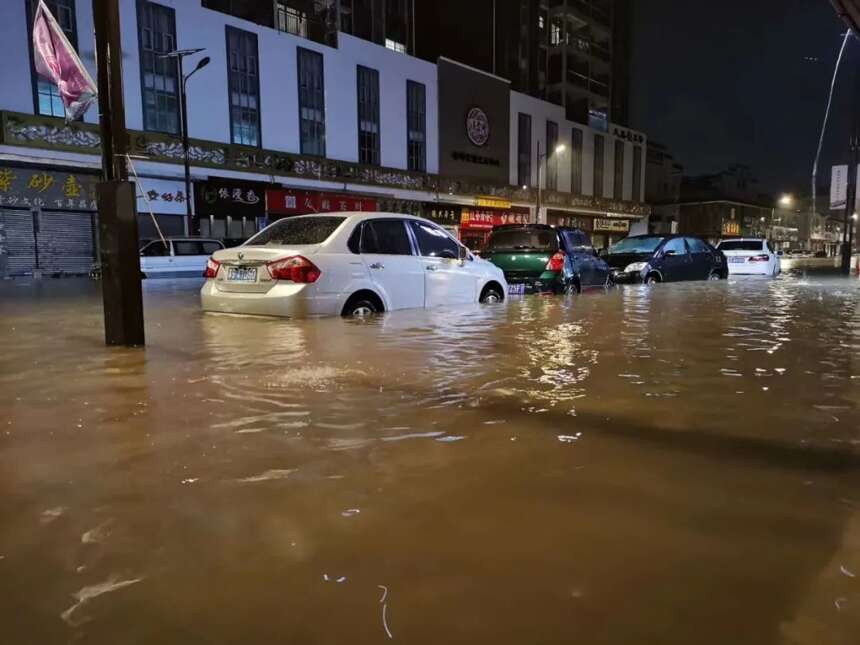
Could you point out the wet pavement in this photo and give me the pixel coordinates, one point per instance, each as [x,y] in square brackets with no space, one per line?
[678,464]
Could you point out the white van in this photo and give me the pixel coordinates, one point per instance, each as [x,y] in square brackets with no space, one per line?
[177,257]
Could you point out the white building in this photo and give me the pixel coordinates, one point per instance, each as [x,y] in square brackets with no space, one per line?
[280,125]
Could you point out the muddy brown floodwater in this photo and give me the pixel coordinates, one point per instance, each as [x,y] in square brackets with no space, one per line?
[670,465]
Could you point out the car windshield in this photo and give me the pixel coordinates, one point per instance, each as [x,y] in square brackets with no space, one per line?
[636,245]
[523,239]
[297,231]
[741,245]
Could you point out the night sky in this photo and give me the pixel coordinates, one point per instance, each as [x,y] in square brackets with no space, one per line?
[727,82]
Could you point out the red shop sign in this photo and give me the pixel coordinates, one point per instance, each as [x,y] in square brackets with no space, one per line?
[488,219]
[303,202]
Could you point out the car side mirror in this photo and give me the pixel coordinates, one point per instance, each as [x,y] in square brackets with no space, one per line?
[669,253]
[601,253]
[462,254]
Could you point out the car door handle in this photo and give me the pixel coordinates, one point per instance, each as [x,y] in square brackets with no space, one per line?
[377,266]
[432,267]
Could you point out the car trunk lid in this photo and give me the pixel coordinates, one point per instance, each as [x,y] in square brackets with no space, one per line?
[243,269]
[519,264]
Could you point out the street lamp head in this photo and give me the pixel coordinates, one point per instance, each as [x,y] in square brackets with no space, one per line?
[854,217]
[786,200]
[525,187]
[203,63]
[560,148]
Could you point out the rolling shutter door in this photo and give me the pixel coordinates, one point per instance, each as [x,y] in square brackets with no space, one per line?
[20,245]
[66,243]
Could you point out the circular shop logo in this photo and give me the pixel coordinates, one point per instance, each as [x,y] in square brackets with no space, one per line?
[478,126]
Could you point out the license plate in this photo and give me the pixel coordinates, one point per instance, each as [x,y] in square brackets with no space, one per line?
[516,289]
[242,274]
[737,260]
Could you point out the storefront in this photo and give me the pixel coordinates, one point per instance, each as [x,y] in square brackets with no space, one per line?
[47,221]
[162,206]
[229,210]
[285,202]
[605,230]
[447,216]
[477,222]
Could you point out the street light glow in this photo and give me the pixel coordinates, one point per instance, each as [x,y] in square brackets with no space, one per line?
[786,200]
[560,148]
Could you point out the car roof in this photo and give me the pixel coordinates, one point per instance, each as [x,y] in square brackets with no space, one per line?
[742,239]
[354,215]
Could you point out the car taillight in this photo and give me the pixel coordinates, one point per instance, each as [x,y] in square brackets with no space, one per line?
[556,263]
[295,269]
[759,258]
[212,266]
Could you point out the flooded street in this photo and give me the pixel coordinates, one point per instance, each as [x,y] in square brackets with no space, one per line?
[679,464]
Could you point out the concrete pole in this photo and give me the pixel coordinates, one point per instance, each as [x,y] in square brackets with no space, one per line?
[118,240]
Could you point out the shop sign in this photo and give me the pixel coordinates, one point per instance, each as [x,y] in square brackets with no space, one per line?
[628,135]
[487,220]
[492,202]
[569,221]
[228,197]
[838,187]
[612,225]
[731,228]
[49,189]
[163,196]
[442,214]
[302,202]
[477,126]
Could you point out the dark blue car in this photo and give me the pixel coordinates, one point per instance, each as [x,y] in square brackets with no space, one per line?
[665,258]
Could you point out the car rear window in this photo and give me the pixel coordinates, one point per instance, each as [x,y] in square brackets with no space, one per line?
[636,245]
[297,231]
[523,239]
[741,245]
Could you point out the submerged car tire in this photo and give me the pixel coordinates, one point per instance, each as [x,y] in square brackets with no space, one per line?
[715,276]
[491,295]
[573,287]
[361,306]
[652,278]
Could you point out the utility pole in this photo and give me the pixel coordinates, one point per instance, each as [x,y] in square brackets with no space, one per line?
[121,288]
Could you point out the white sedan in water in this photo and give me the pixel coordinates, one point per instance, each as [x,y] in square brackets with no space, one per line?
[350,264]
[750,256]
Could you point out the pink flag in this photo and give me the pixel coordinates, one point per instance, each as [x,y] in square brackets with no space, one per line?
[57,61]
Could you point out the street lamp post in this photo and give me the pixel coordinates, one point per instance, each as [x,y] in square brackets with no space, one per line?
[541,159]
[180,55]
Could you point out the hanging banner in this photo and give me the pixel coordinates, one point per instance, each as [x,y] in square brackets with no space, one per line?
[838,188]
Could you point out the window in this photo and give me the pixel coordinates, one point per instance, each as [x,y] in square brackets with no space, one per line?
[518,239]
[210,247]
[159,77]
[294,231]
[416,115]
[618,188]
[291,20]
[311,102]
[385,237]
[576,162]
[675,245]
[433,242]
[394,45]
[46,95]
[697,246]
[244,85]
[599,152]
[637,174]
[741,245]
[157,249]
[552,155]
[368,116]
[635,245]
[576,239]
[524,150]
[187,247]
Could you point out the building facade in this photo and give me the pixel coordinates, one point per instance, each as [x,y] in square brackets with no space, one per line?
[283,122]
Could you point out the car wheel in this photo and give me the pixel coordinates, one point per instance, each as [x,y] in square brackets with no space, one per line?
[573,287]
[360,308]
[609,282]
[652,279]
[715,276]
[492,296]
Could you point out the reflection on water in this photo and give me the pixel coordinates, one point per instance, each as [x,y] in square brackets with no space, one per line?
[672,465]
